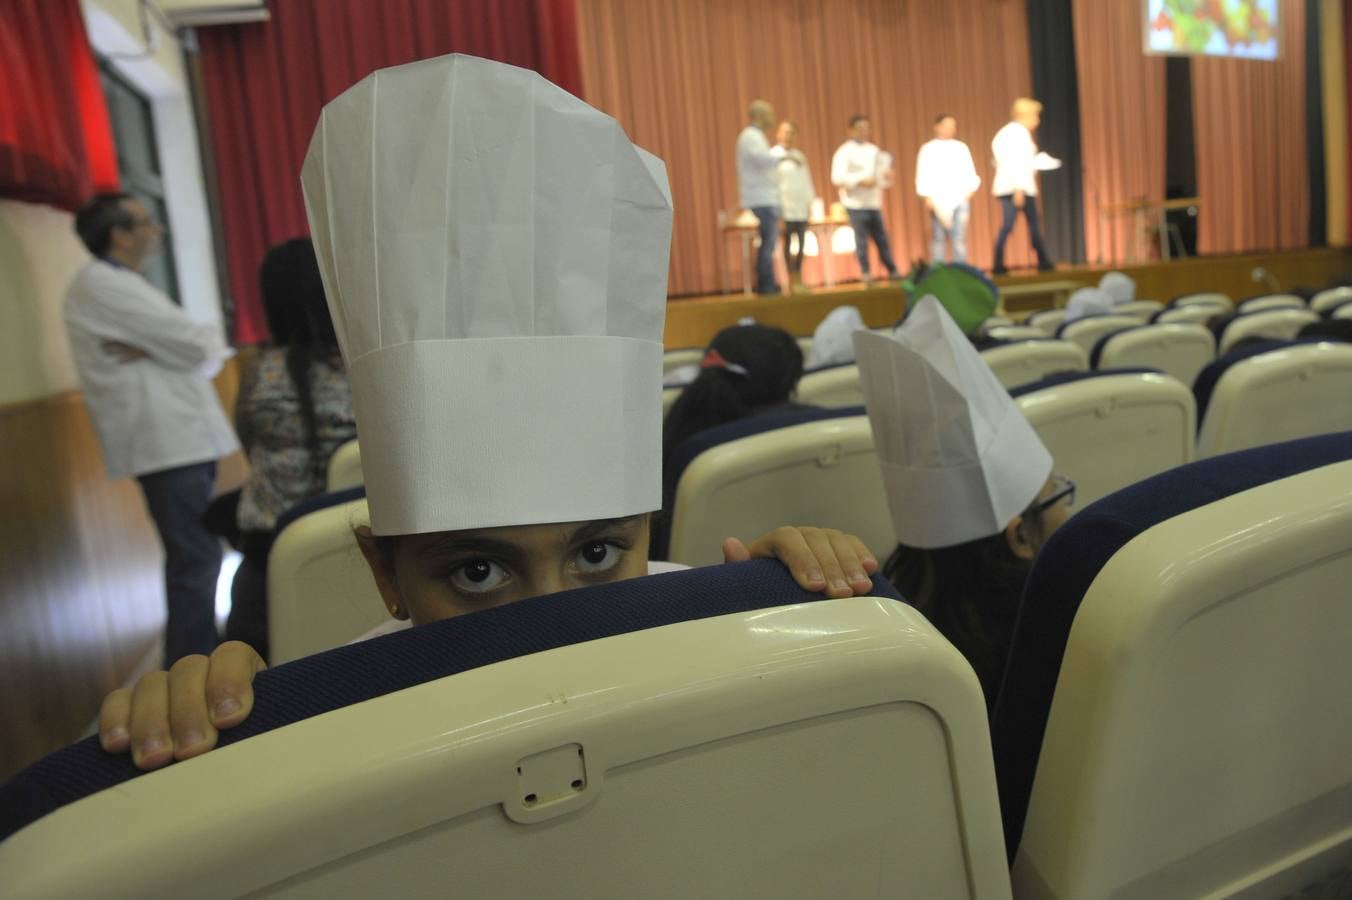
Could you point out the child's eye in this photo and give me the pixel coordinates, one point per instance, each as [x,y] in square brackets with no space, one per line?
[478,576]
[598,556]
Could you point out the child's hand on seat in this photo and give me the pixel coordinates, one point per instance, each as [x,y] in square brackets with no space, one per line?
[823,560]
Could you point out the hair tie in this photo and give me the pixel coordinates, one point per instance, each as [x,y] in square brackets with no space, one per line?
[714,360]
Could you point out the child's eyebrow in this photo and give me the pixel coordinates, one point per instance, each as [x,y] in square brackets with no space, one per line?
[468,544]
[601,526]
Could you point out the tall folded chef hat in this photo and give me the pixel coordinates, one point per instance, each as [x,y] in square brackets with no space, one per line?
[1119,286]
[831,343]
[959,460]
[494,253]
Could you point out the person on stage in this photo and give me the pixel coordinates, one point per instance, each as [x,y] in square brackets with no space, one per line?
[796,193]
[860,170]
[1017,162]
[758,183]
[946,179]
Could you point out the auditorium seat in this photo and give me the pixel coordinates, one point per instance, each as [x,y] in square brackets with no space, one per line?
[675,359]
[1271,301]
[1179,351]
[1221,302]
[1087,331]
[320,591]
[1342,311]
[1275,391]
[1197,314]
[1027,361]
[1111,428]
[716,733]
[1173,718]
[804,467]
[1278,324]
[345,467]
[1324,301]
[805,344]
[669,395]
[1048,320]
[1141,309]
[834,387]
[1016,333]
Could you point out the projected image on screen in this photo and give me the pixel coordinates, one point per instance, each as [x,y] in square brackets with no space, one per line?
[1245,28]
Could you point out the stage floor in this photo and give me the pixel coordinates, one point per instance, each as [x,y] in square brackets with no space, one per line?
[693,321]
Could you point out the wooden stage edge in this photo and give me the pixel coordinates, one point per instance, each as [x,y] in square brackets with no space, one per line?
[693,321]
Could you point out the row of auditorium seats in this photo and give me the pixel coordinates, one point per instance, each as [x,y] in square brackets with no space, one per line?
[1172,725]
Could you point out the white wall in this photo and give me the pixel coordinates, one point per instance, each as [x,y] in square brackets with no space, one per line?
[39,252]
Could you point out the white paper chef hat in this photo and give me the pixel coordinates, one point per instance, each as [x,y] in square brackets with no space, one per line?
[1118,286]
[831,342]
[495,254]
[959,460]
[1088,301]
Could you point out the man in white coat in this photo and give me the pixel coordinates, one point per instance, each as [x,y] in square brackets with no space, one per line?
[1017,162]
[860,170]
[145,367]
[945,178]
[758,184]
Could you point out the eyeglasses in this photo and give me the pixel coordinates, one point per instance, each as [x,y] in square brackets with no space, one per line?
[1062,489]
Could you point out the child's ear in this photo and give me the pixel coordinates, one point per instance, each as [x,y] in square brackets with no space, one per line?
[382,570]
[1020,542]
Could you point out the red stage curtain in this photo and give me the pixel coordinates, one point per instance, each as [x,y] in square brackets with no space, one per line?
[266,83]
[56,144]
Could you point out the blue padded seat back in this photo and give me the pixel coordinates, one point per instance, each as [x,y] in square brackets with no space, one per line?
[1069,563]
[1210,376]
[1097,352]
[346,675]
[1057,379]
[314,504]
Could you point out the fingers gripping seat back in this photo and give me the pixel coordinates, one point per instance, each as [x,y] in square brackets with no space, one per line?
[345,468]
[320,590]
[1278,393]
[1194,738]
[748,477]
[714,733]
[1029,361]
[1111,428]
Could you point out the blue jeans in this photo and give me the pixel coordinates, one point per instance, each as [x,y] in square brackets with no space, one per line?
[765,257]
[177,500]
[957,235]
[869,223]
[1009,212]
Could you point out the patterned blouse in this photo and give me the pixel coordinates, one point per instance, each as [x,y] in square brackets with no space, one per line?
[267,417]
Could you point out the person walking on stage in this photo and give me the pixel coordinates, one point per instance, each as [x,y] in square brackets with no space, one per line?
[796,193]
[860,170]
[1017,162]
[758,183]
[945,178]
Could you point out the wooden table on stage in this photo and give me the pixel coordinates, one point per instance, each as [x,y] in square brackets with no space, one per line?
[822,228]
[1143,211]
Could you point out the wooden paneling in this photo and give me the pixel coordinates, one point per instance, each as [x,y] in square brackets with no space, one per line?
[693,322]
[81,574]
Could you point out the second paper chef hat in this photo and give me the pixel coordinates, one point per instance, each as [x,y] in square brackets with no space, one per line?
[831,343]
[1120,286]
[959,460]
[495,254]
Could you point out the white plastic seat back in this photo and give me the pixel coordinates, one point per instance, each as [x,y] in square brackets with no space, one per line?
[1199,742]
[669,396]
[1196,314]
[675,359]
[1087,332]
[1278,324]
[1291,393]
[1048,320]
[823,749]
[823,473]
[1016,333]
[1029,361]
[1222,302]
[1141,309]
[345,468]
[320,591]
[832,388]
[1343,312]
[996,322]
[805,344]
[1179,351]
[1109,431]
[1324,301]
[1271,301]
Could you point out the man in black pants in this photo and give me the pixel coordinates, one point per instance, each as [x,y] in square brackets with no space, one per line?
[1015,185]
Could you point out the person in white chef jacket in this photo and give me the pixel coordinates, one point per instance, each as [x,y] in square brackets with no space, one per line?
[796,194]
[509,409]
[946,179]
[758,187]
[1017,162]
[145,367]
[860,170]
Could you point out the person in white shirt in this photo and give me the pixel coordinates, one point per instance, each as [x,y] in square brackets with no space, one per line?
[758,184]
[945,178]
[796,193]
[145,367]
[860,170]
[1015,184]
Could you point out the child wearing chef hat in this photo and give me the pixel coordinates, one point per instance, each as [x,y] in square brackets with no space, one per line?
[968,482]
[494,253]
